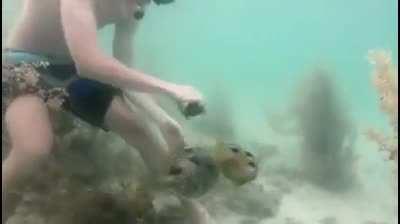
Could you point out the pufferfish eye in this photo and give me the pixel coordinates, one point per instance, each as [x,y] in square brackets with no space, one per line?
[234,149]
[188,149]
[252,164]
[175,170]
[249,154]
[195,160]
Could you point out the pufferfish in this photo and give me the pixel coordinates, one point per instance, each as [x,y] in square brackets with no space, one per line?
[198,170]
[235,163]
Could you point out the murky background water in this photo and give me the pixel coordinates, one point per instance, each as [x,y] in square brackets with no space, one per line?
[255,60]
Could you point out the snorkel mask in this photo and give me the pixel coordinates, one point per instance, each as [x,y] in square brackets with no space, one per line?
[139,13]
[163,2]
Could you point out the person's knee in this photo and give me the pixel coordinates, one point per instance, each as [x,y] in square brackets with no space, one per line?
[36,149]
[173,129]
[174,135]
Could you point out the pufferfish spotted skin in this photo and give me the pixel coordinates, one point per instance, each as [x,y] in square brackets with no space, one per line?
[235,163]
[196,172]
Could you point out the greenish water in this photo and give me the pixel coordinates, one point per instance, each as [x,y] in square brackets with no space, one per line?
[257,52]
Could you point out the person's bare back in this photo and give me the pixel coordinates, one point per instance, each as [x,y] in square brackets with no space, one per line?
[39,28]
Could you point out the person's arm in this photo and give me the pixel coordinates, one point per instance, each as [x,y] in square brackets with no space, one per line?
[122,50]
[123,41]
[80,30]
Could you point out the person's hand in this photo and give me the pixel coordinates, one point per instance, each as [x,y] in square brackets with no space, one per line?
[186,94]
[189,100]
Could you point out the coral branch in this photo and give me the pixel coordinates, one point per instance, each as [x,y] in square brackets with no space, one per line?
[385,81]
[385,78]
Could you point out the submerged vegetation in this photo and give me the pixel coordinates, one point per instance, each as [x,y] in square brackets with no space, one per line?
[385,81]
[327,134]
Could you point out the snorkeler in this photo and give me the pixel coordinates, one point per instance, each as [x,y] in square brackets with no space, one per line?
[52,60]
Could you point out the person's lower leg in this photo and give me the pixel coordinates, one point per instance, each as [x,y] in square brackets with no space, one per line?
[152,148]
[14,170]
[170,129]
[173,135]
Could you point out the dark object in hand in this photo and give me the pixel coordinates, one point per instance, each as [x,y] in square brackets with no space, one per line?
[192,109]
[139,14]
[175,170]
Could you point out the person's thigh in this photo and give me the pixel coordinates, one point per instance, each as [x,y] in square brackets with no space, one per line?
[29,126]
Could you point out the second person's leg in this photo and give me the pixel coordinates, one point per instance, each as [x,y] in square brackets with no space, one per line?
[130,123]
[170,128]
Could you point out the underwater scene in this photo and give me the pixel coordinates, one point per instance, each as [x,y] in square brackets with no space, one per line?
[298,122]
